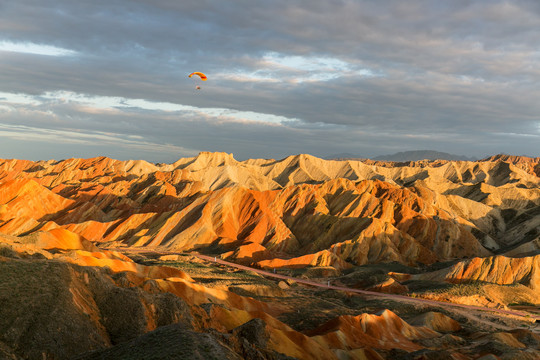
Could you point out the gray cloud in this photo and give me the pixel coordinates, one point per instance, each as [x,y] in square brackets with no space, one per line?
[361,77]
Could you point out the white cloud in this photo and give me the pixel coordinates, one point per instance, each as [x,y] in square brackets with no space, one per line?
[314,68]
[90,103]
[517,135]
[305,63]
[274,67]
[93,138]
[261,76]
[12,99]
[36,49]
[6,109]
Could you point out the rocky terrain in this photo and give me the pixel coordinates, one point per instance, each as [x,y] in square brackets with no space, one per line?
[453,231]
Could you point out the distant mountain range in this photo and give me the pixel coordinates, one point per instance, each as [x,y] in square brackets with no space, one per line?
[414,155]
[423,155]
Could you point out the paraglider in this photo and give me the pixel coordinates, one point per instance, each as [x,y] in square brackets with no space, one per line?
[201,75]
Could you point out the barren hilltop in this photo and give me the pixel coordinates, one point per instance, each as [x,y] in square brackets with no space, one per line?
[456,232]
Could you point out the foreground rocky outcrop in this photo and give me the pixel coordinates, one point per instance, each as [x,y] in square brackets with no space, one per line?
[62,298]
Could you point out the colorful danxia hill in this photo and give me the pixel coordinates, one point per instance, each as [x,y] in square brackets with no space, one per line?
[109,259]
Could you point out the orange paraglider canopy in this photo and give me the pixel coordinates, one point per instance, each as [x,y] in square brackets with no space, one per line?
[201,75]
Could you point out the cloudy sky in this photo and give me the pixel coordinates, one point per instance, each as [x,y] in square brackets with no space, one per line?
[110,77]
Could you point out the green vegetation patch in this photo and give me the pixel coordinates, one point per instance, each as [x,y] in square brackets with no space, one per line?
[469,288]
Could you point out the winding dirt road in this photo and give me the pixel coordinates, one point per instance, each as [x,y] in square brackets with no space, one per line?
[396,297]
